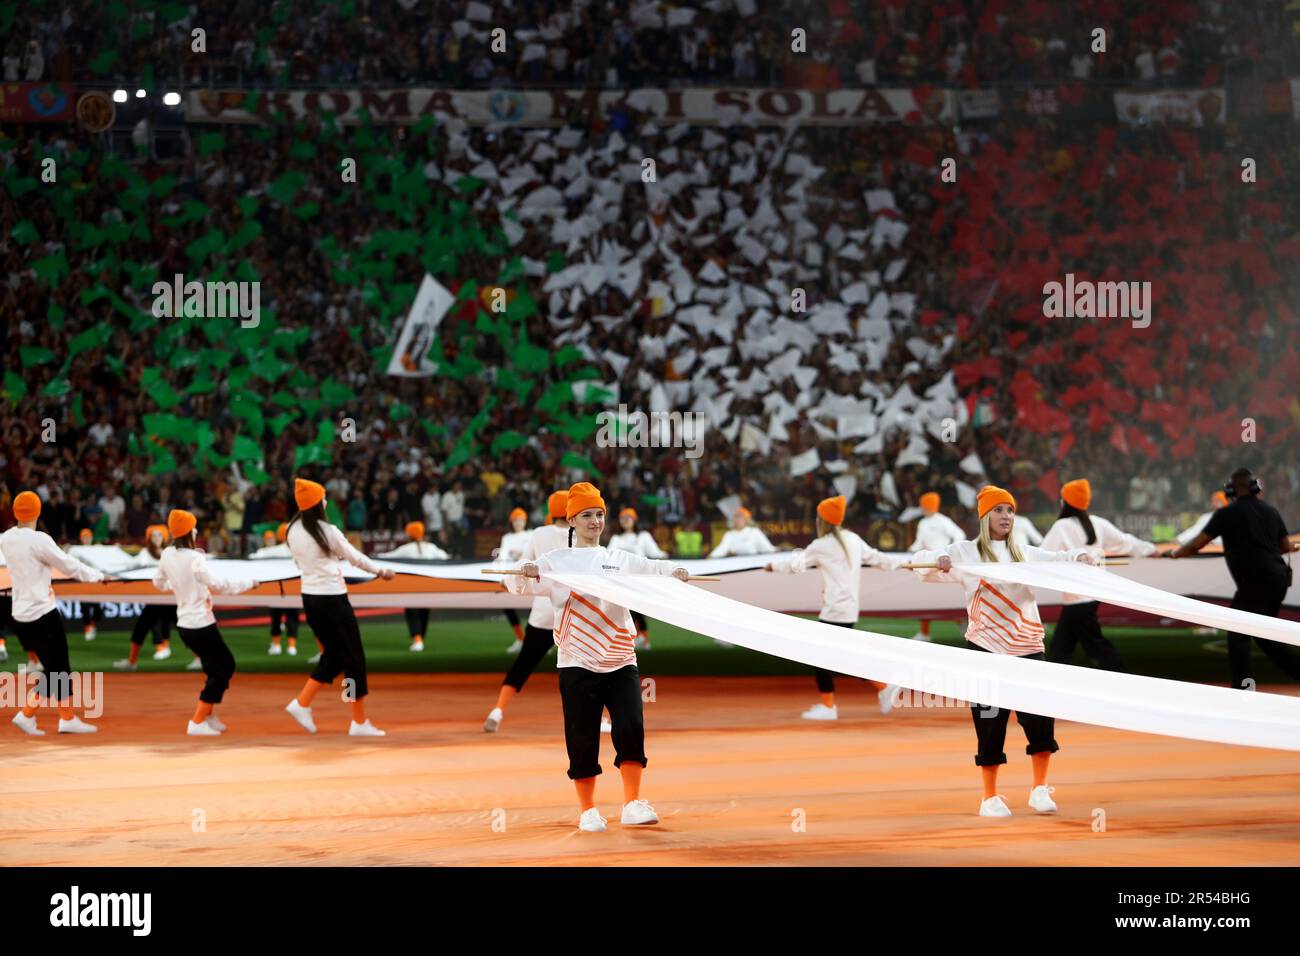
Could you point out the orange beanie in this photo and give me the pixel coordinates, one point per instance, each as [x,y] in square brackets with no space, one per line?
[518,513]
[1220,499]
[308,494]
[180,523]
[281,531]
[415,530]
[582,496]
[268,535]
[557,504]
[990,496]
[1077,493]
[27,506]
[148,532]
[831,510]
[745,511]
[628,511]
[87,535]
[930,502]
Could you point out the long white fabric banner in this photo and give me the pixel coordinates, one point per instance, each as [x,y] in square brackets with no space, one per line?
[1124,701]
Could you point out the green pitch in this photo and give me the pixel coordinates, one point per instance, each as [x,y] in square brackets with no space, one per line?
[466,643]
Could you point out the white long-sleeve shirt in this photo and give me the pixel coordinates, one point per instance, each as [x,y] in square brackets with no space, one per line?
[30,555]
[543,540]
[1188,536]
[936,531]
[425,550]
[590,633]
[1068,533]
[1024,532]
[841,572]
[746,540]
[185,572]
[1002,618]
[321,572]
[280,550]
[512,546]
[637,542]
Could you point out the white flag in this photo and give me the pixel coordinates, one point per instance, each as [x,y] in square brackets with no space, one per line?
[410,356]
[805,462]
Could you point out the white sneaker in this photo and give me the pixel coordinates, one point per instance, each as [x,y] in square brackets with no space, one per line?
[417,645]
[90,633]
[275,650]
[888,697]
[995,806]
[638,813]
[516,647]
[4,653]
[76,726]
[921,636]
[821,712]
[194,665]
[1040,799]
[641,643]
[218,726]
[315,659]
[162,653]
[591,821]
[204,729]
[365,730]
[125,664]
[606,727]
[292,650]
[493,721]
[301,714]
[27,724]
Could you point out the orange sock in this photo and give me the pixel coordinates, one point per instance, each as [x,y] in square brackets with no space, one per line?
[275,640]
[65,711]
[828,699]
[2,643]
[359,710]
[134,655]
[503,698]
[1040,762]
[925,628]
[293,642]
[202,712]
[519,631]
[32,659]
[586,788]
[164,645]
[320,647]
[631,772]
[990,775]
[309,692]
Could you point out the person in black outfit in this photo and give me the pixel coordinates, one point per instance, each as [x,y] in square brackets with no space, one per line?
[1254,539]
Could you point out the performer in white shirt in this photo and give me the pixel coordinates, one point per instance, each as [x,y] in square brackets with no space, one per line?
[318,548]
[1002,619]
[284,620]
[417,618]
[158,618]
[933,531]
[539,637]
[1078,623]
[742,538]
[597,657]
[30,556]
[1218,500]
[510,552]
[1024,532]
[183,570]
[90,613]
[840,556]
[644,544]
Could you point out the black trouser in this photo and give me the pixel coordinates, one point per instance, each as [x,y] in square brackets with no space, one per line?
[6,614]
[417,621]
[331,617]
[584,695]
[212,652]
[90,613]
[537,641]
[991,727]
[1078,624]
[158,618]
[639,620]
[49,640]
[825,678]
[1265,598]
[512,617]
[286,615]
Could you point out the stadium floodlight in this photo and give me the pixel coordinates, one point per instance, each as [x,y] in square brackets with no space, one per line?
[119,96]
[171,99]
[139,94]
